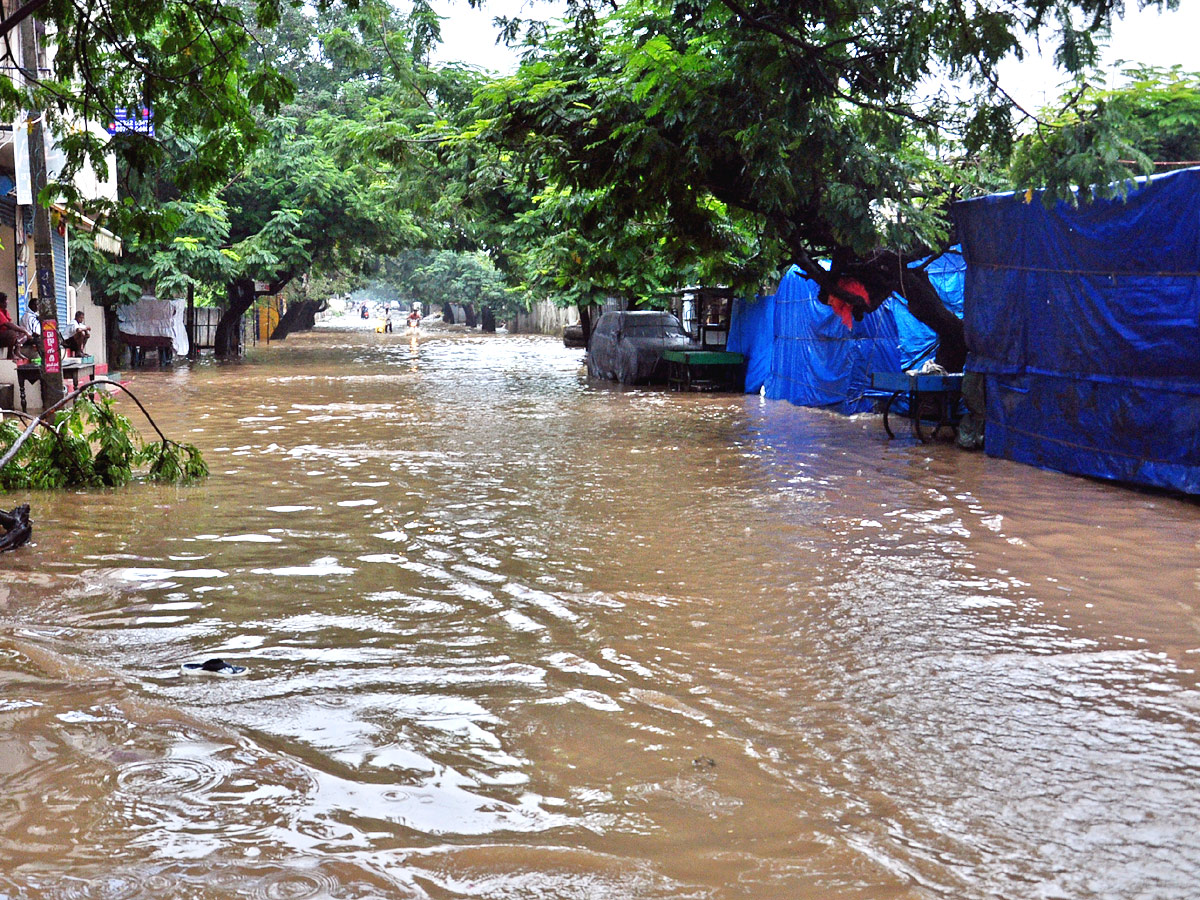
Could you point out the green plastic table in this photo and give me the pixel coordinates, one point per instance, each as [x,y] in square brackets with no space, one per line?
[696,370]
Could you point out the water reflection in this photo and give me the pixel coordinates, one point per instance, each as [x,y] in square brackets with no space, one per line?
[510,634]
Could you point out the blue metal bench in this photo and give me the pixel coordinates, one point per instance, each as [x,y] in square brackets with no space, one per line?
[941,393]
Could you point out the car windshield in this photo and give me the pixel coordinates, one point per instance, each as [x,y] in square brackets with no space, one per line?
[656,326]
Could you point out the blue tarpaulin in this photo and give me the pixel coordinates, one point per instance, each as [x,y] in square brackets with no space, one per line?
[751,332]
[1086,324]
[797,349]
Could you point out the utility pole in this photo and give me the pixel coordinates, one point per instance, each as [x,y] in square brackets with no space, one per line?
[43,256]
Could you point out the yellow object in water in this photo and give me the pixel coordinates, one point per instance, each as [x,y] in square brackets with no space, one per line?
[268,318]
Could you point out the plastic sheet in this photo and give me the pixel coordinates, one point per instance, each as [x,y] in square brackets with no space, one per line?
[751,333]
[1086,323]
[628,346]
[153,318]
[798,349]
[816,361]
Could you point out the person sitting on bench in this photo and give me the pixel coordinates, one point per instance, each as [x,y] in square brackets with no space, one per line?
[75,336]
[31,322]
[21,344]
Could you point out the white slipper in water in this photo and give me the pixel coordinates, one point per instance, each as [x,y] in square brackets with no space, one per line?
[213,667]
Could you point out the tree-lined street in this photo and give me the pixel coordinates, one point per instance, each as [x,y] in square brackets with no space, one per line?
[632,152]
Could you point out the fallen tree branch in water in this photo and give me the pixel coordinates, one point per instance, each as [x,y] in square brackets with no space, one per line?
[71,461]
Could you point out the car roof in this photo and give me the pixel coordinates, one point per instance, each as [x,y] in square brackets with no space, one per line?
[640,313]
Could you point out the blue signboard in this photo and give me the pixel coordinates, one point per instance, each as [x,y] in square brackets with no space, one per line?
[131,119]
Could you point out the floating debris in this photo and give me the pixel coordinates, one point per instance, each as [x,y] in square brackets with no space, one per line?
[213,667]
[17,528]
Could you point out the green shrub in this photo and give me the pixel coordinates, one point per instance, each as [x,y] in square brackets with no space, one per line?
[90,444]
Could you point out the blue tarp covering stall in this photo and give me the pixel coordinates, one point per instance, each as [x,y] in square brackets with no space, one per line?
[797,349]
[816,361]
[1086,324]
[751,332]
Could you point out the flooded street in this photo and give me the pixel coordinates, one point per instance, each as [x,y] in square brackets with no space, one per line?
[512,634]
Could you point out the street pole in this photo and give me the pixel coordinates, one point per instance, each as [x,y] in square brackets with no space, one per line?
[43,255]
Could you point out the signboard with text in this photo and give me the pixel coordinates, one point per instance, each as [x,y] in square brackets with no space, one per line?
[131,120]
[51,353]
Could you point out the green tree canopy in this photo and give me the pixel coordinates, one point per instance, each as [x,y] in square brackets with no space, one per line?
[438,277]
[804,128]
[186,60]
[1101,137]
[210,71]
[298,202]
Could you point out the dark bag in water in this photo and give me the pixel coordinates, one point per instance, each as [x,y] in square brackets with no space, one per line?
[17,528]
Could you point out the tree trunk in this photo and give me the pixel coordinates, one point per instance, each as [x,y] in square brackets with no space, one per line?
[193,353]
[301,315]
[928,308]
[49,346]
[469,309]
[113,345]
[585,322]
[886,273]
[228,338]
[487,320]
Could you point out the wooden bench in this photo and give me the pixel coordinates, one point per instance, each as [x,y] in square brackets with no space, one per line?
[138,344]
[73,370]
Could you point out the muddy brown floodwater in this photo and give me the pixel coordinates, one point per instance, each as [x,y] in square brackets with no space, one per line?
[510,634]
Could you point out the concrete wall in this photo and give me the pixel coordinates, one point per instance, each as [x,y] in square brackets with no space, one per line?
[545,318]
[93,317]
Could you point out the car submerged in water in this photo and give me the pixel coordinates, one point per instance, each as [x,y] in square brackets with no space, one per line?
[628,346]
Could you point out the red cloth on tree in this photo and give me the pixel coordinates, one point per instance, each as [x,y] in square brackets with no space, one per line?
[844,310]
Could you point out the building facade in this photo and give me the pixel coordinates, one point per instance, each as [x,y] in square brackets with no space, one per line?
[17,193]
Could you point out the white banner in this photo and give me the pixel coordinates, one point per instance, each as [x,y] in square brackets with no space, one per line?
[21,161]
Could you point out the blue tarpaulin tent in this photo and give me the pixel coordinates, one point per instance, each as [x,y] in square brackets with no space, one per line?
[798,349]
[1085,323]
